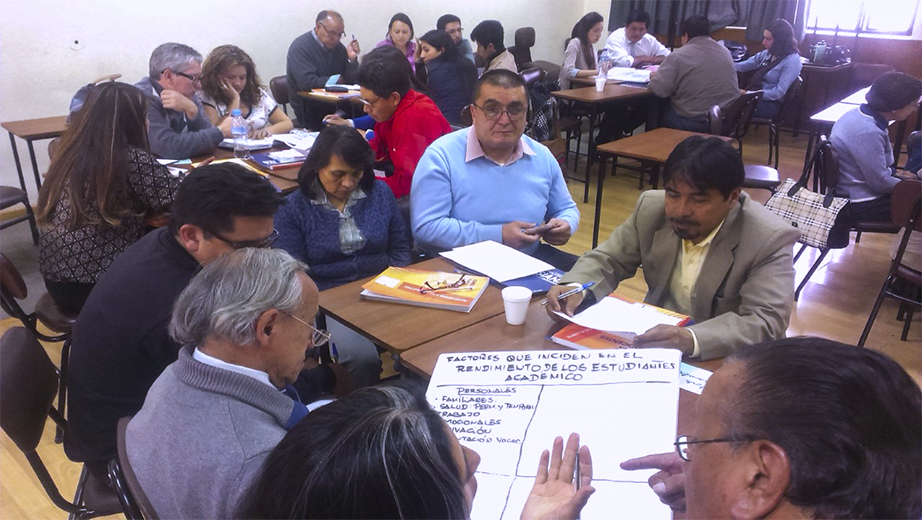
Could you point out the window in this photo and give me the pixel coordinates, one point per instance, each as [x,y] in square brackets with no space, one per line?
[894,17]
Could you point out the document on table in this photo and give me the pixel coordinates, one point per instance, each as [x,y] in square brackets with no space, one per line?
[628,318]
[252,144]
[500,262]
[509,407]
[301,141]
[629,74]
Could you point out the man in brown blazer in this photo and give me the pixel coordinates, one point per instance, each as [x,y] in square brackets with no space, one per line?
[707,251]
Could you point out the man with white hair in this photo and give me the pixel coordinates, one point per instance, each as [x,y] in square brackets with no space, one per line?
[178,126]
[214,415]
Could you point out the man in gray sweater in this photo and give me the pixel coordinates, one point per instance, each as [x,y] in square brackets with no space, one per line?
[178,126]
[695,77]
[214,415]
[313,58]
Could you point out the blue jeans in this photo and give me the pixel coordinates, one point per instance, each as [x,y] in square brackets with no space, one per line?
[767,109]
[692,124]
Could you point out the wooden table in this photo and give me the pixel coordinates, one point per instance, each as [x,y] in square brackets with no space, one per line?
[286,179]
[349,100]
[649,147]
[495,335]
[33,130]
[588,96]
[398,327]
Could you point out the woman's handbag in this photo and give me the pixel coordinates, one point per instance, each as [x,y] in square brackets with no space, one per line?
[812,213]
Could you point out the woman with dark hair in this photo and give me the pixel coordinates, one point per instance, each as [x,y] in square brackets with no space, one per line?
[449,76]
[229,82]
[345,225]
[400,35]
[580,57]
[102,184]
[775,68]
[383,452]
[342,222]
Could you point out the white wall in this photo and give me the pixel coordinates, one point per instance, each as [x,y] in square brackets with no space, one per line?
[40,70]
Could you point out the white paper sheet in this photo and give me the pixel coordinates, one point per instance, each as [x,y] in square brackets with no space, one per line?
[498,261]
[692,378]
[300,141]
[614,315]
[629,74]
[509,406]
[252,144]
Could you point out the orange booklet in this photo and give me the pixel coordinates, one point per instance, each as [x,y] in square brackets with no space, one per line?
[436,289]
[623,310]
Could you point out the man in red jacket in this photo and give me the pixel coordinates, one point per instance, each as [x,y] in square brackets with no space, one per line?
[406,122]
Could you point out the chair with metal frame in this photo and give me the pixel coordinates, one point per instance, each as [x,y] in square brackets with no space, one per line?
[906,211]
[130,494]
[774,123]
[278,86]
[9,197]
[737,117]
[824,165]
[28,384]
[757,176]
[47,312]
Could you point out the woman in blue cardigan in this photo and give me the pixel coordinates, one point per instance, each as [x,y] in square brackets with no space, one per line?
[775,68]
[345,225]
[342,222]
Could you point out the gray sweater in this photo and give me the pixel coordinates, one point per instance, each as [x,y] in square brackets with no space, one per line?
[201,438]
[171,135]
[697,76]
[865,155]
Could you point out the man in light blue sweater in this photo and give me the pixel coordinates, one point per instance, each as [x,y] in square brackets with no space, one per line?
[213,416]
[866,171]
[490,182]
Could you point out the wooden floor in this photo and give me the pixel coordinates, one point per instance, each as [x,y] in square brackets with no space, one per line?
[835,304]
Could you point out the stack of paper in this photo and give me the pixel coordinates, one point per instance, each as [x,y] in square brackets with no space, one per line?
[498,261]
[629,74]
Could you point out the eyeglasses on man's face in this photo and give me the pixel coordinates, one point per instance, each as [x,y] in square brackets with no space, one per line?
[515,112]
[319,337]
[337,35]
[683,442]
[368,103]
[240,244]
[193,79]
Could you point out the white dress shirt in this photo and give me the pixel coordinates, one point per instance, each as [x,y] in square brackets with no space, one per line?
[621,51]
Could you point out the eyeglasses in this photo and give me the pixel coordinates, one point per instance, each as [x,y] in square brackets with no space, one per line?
[369,103]
[515,112]
[461,284]
[259,244]
[338,36]
[319,337]
[682,442]
[193,79]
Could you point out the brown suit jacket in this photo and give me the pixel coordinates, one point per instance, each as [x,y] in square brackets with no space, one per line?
[745,291]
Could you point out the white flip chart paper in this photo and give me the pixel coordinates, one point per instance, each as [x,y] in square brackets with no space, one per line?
[509,407]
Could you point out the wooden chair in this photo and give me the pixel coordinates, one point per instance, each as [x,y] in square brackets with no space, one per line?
[824,165]
[130,494]
[774,123]
[47,312]
[281,93]
[28,383]
[906,212]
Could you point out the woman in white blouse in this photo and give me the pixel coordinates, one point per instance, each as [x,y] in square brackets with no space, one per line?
[580,57]
[229,81]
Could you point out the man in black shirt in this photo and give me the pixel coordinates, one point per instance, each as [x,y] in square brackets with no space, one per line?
[120,341]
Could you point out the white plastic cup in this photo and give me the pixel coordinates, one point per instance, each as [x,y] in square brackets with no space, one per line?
[600,83]
[515,302]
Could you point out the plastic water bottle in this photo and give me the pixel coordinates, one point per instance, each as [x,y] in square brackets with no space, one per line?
[239,131]
[819,55]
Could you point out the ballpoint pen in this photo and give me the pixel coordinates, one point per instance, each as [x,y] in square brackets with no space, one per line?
[572,292]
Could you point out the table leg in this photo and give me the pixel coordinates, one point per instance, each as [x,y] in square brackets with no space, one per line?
[811,135]
[598,197]
[590,143]
[38,179]
[22,179]
[654,176]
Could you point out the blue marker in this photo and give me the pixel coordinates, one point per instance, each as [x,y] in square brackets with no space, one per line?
[569,293]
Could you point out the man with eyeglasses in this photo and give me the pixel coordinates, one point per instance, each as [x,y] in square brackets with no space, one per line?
[178,126]
[120,341]
[491,182]
[798,428]
[313,58]
[213,416]
[452,25]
